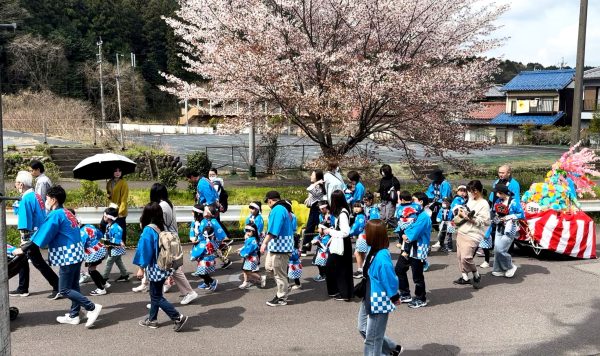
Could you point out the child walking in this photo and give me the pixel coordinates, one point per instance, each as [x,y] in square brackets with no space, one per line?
[294,264]
[256,218]
[94,253]
[250,252]
[219,235]
[116,248]
[358,230]
[444,219]
[418,234]
[321,241]
[203,253]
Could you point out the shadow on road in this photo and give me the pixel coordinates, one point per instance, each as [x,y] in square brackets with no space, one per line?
[221,318]
[434,350]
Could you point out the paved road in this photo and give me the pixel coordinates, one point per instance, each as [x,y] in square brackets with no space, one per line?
[24,139]
[551,307]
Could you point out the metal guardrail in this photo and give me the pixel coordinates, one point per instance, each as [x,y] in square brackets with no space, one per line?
[233,214]
[184,214]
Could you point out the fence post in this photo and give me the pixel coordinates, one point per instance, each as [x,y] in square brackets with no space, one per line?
[206,151]
[232,161]
[45,131]
[302,160]
[366,150]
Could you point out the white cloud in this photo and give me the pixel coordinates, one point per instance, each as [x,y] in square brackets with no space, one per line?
[545,31]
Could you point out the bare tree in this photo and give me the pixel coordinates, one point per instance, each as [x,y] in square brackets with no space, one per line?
[36,61]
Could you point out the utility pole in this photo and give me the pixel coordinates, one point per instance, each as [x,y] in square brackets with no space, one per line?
[99,55]
[5,348]
[578,95]
[133,65]
[119,103]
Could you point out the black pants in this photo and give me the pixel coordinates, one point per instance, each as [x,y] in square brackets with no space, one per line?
[338,271]
[311,225]
[435,208]
[121,222]
[402,266]
[207,278]
[34,254]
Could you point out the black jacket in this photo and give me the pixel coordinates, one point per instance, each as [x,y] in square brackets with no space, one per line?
[385,184]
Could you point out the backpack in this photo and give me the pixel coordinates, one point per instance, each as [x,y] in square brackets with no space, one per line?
[170,253]
[223,197]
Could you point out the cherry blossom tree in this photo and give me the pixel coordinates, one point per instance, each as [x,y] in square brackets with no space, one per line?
[397,71]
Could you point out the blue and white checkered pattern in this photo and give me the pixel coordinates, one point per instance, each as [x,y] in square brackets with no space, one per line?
[206,267]
[250,263]
[117,251]
[450,229]
[281,244]
[321,258]
[361,244]
[402,225]
[155,274]
[294,271]
[421,252]
[486,242]
[66,255]
[95,255]
[381,303]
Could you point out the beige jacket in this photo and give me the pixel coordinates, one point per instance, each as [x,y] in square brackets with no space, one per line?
[477,228]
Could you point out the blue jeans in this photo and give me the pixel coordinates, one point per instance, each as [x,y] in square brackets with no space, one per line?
[157,300]
[502,259]
[68,286]
[372,328]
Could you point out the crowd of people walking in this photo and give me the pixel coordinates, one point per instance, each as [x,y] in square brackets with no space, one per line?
[344,224]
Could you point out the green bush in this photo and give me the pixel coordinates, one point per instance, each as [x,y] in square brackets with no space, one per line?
[199,162]
[89,194]
[168,177]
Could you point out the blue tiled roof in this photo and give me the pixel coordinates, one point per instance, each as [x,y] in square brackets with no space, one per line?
[508,119]
[540,80]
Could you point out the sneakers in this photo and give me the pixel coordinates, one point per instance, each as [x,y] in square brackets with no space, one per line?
[166,288]
[92,315]
[107,285]
[18,293]
[148,306]
[98,291]
[339,298]
[226,265]
[426,266]
[263,281]
[484,265]
[498,274]
[397,350]
[203,286]
[319,278]
[245,285]
[54,295]
[213,285]
[462,281]
[84,278]
[122,279]
[295,287]
[436,245]
[405,299]
[66,319]
[149,324]
[141,288]
[358,275]
[303,254]
[511,272]
[190,297]
[275,302]
[179,323]
[477,281]
[417,303]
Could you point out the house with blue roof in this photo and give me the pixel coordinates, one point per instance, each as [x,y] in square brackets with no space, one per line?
[539,97]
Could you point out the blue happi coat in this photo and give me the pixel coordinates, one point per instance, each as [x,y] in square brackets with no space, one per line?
[114,235]
[207,194]
[94,249]
[383,283]
[358,227]
[512,185]
[30,211]
[458,200]
[437,192]
[280,227]
[220,234]
[60,233]
[258,221]
[406,214]
[357,194]
[372,212]
[146,255]
[419,234]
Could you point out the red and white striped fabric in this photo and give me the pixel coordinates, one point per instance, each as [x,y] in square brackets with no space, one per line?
[572,234]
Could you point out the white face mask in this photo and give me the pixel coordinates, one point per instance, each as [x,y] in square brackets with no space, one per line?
[48,203]
[470,195]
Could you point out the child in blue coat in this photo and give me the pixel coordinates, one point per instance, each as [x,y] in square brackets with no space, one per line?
[444,219]
[256,218]
[204,253]
[321,240]
[358,230]
[358,191]
[418,235]
[94,254]
[116,248]
[372,211]
[406,213]
[250,252]
[210,213]
[294,264]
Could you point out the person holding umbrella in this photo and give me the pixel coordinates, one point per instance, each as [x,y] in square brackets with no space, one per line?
[118,193]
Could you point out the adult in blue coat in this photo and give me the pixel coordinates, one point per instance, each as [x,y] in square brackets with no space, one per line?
[380,293]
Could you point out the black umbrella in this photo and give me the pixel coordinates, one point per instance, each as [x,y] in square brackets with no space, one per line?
[102,166]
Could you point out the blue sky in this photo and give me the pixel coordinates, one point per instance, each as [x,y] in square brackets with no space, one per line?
[545,31]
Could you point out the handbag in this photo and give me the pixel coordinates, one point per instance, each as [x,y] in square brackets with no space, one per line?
[336,244]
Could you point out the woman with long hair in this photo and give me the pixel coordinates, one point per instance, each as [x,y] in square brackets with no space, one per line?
[340,284]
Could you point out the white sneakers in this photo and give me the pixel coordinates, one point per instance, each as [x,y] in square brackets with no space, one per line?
[498,274]
[263,281]
[296,287]
[511,272]
[190,297]
[166,288]
[93,315]
[436,245]
[484,265]
[66,319]
[245,285]
[98,291]
[141,288]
